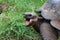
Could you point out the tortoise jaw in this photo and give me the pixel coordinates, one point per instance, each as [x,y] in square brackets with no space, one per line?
[27,21]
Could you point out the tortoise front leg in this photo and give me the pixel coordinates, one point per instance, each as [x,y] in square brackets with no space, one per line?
[48,32]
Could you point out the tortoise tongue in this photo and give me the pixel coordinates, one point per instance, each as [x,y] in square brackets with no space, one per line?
[56,24]
[27,22]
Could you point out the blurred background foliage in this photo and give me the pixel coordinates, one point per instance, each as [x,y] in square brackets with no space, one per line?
[12,25]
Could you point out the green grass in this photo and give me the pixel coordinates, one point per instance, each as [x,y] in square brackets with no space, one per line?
[12,25]
[12,22]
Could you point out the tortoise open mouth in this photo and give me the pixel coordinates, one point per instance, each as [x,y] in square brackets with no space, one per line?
[27,21]
[29,16]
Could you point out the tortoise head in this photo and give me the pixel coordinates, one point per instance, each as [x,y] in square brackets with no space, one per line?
[30,18]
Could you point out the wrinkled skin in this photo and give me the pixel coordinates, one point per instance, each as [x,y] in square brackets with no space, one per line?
[50,10]
[41,25]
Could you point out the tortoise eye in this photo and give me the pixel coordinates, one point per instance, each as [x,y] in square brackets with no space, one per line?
[38,11]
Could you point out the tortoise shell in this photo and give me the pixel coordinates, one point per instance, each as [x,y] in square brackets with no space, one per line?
[56,24]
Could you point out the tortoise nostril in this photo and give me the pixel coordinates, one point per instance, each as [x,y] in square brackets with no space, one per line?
[29,15]
[26,14]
